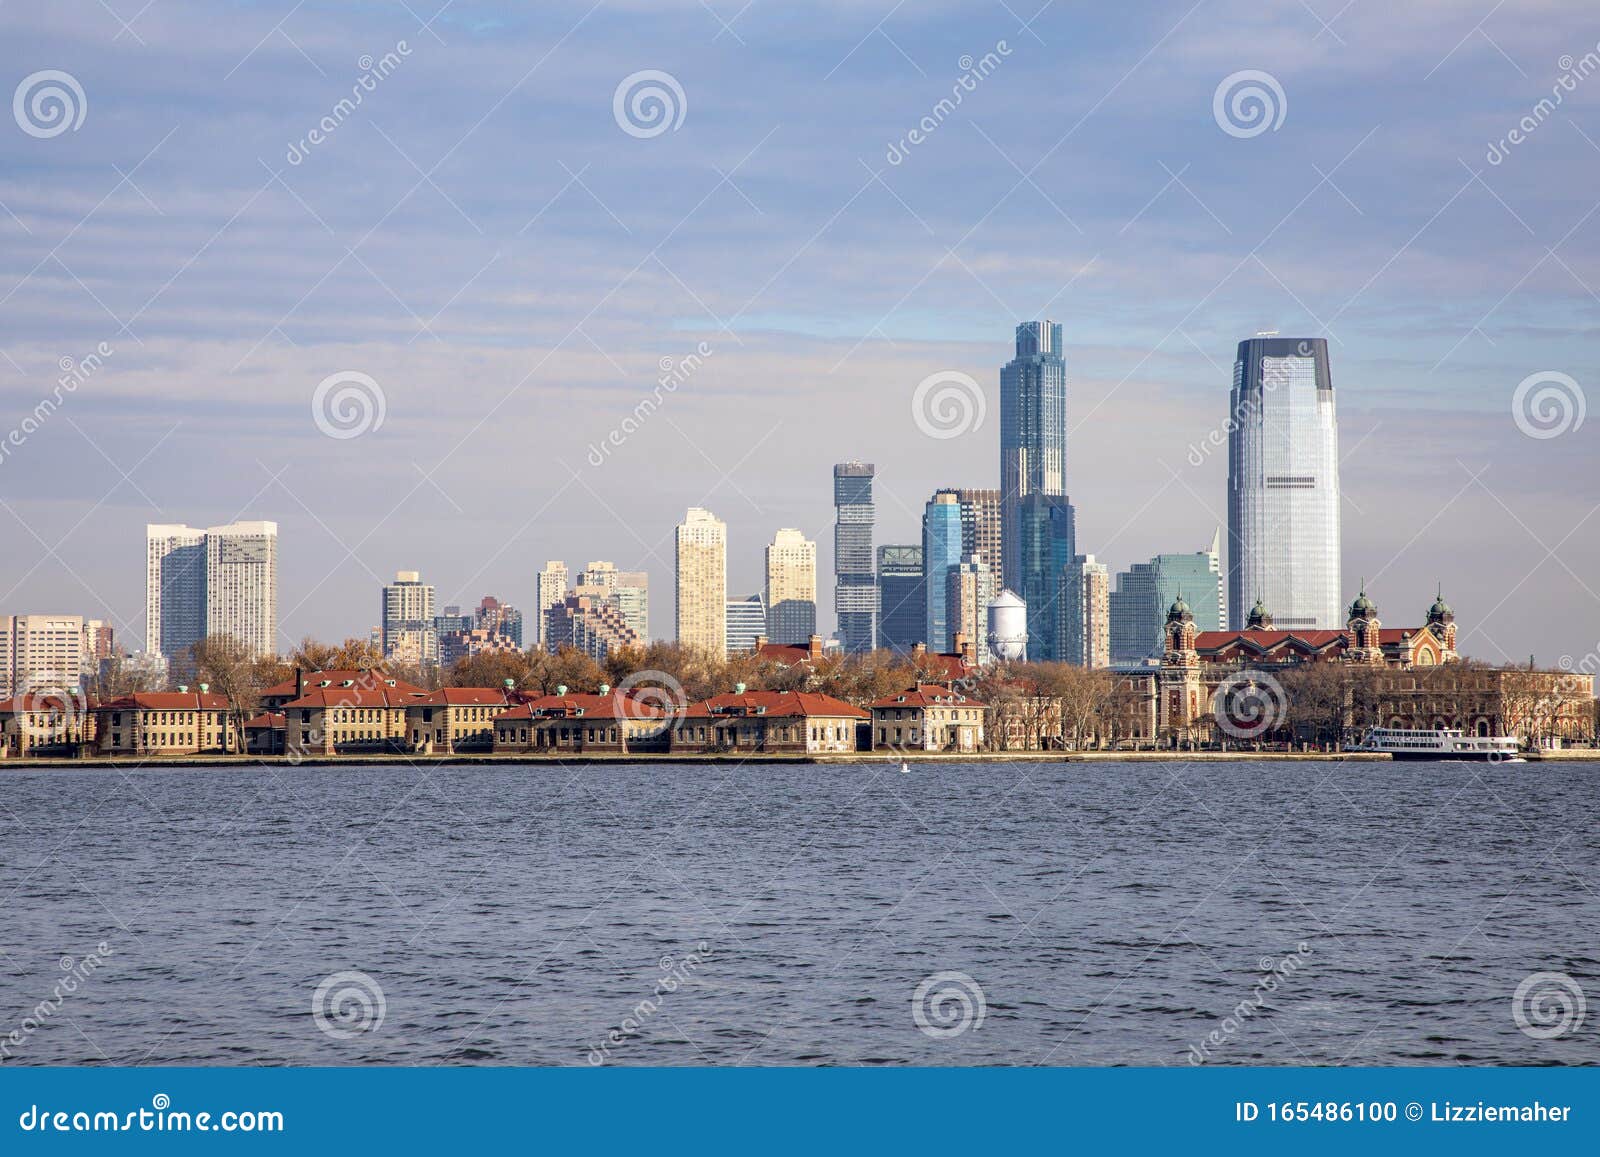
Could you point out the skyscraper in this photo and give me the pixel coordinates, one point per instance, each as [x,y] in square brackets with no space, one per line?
[701,590]
[746,621]
[855,592]
[941,551]
[791,593]
[1047,539]
[407,623]
[550,590]
[1033,436]
[902,599]
[982,521]
[1146,589]
[969,590]
[1283,484]
[175,588]
[242,584]
[44,653]
[1084,618]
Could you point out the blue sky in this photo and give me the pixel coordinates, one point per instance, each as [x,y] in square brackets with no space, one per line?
[482,238]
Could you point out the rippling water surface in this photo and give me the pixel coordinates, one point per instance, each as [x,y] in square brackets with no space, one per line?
[1110,913]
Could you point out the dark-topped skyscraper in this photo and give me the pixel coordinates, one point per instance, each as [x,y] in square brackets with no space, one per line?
[855,592]
[1033,432]
[902,597]
[1283,485]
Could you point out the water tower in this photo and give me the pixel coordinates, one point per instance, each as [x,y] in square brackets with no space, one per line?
[1008,627]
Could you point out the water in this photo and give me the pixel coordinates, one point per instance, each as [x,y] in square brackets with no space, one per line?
[1110,913]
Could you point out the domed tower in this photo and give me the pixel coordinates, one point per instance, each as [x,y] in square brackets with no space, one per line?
[1180,632]
[1260,618]
[1442,622]
[1363,627]
[1179,680]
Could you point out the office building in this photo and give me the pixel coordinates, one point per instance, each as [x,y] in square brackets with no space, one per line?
[1283,484]
[855,592]
[746,622]
[550,588]
[1046,542]
[406,632]
[791,592]
[44,653]
[701,587]
[219,581]
[1033,436]
[941,552]
[982,522]
[902,598]
[1084,613]
[1144,592]
[969,590]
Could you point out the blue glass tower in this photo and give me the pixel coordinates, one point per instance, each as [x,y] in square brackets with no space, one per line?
[1046,542]
[941,551]
[1033,434]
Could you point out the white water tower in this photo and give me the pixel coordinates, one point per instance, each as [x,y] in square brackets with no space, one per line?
[1008,627]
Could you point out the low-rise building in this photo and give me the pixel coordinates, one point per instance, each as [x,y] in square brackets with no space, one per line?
[347,720]
[158,723]
[610,722]
[456,719]
[38,723]
[769,722]
[929,717]
[370,679]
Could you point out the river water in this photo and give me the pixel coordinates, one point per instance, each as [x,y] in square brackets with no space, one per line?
[1083,914]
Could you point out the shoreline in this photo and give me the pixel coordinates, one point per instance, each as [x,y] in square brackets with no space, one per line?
[122,763]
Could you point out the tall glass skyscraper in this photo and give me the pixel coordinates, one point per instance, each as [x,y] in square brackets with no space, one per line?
[1283,485]
[1047,540]
[902,606]
[855,592]
[1033,435]
[941,552]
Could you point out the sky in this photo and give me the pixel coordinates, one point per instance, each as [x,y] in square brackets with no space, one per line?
[405,338]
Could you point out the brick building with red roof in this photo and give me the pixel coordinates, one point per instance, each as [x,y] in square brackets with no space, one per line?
[770,722]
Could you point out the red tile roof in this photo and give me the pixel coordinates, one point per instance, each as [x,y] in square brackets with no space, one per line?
[42,701]
[617,705]
[336,677]
[353,697]
[266,721]
[166,701]
[464,697]
[776,703]
[927,695]
[787,654]
[949,666]
[1296,640]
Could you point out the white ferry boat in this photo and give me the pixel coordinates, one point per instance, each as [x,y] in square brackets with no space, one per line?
[1402,743]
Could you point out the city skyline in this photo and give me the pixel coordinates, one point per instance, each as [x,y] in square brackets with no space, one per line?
[1437,306]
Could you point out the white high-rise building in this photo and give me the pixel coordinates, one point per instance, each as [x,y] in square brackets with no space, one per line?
[701,587]
[791,594]
[1084,622]
[407,630]
[219,581]
[1283,485]
[550,590]
[43,653]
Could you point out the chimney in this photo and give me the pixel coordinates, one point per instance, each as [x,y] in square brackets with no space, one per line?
[738,688]
[605,688]
[761,641]
[561,688]
[968,649]
[814,647]
[960,642]
[299,683]
[205,688]
[919,649]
